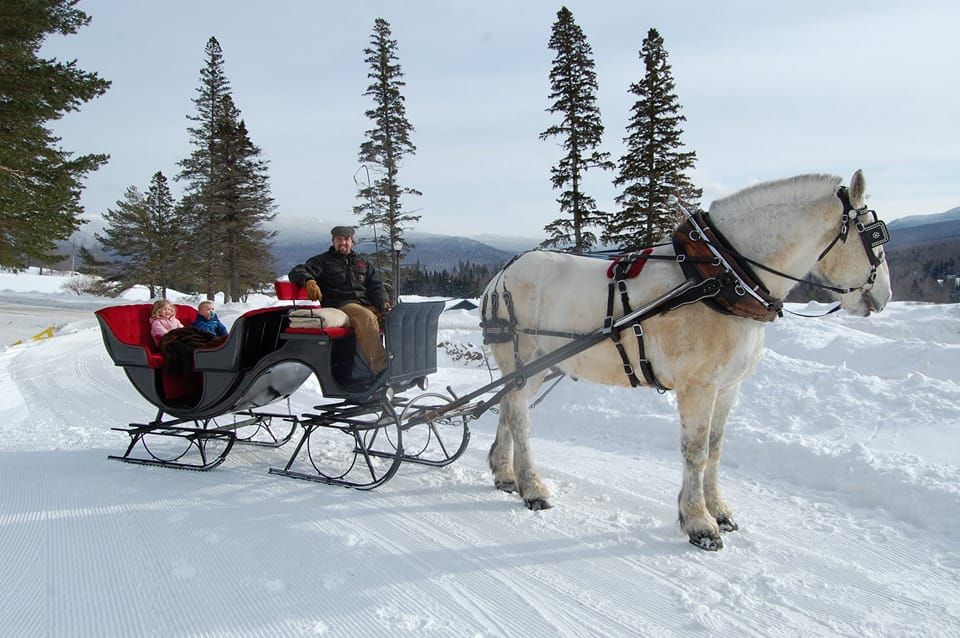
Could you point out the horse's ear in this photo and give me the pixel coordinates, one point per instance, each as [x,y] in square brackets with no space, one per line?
[858,189]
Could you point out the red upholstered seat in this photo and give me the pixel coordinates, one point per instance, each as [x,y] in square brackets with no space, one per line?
[131,326]
[289,291]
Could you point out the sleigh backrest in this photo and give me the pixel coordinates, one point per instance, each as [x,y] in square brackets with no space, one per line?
[129,327]
[289,291]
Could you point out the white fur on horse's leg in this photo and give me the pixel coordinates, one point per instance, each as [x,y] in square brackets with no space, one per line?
[696,411]
[717,507]
[534,493]
[500,457]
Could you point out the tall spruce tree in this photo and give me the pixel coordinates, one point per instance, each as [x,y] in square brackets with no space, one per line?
[40,183]
[573,84]
[144,232]
[241,204]
[197,171]
[387,143]
[654,167]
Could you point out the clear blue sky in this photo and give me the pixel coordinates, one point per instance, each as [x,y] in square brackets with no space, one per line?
[769,91]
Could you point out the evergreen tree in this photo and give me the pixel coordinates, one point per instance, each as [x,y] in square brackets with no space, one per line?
[89,264]
[40,183]
[241,204]
[387,143]
[654,167]
[574,87]
[198,207]
[147,236]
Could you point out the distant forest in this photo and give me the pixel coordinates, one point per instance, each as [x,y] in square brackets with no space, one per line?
[466,281]
[927,272]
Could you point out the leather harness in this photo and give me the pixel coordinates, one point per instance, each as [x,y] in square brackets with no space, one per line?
[716,274]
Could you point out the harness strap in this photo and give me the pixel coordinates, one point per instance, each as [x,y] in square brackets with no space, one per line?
[621,270]
[512,316]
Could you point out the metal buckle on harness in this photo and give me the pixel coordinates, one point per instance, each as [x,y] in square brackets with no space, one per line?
[622,286]
[607,325]
[628,369]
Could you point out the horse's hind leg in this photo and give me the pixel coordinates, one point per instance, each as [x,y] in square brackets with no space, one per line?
[696,410]
[711,491]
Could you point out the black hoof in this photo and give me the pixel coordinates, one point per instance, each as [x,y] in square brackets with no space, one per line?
[727,524]
[538,504]
[707,542]
[506,486]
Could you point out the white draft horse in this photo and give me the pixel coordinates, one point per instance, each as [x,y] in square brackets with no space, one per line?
[701,354]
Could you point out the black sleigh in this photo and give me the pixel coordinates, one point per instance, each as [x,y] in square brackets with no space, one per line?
[354,439]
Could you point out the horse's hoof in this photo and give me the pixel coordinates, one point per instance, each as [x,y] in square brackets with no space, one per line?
[538,504]
[506,486]
[727,524]
[707,542]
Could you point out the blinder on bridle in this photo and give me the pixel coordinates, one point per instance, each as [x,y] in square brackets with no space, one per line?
[872,234]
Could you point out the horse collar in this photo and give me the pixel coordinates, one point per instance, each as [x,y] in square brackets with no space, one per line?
[741,292]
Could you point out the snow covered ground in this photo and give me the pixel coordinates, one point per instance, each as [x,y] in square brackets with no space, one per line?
[841,464]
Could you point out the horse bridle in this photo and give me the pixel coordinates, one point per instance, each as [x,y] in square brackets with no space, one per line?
[872,235]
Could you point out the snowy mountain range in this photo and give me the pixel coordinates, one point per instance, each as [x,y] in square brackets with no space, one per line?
[299,237]
[921,229]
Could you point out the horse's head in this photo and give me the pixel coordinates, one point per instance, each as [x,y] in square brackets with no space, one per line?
[854,260]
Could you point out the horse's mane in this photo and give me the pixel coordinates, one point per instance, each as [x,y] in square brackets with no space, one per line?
[759,196]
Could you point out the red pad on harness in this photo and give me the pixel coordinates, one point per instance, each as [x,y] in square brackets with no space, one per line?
[636,265]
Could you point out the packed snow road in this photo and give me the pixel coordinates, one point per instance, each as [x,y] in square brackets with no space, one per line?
[844,483]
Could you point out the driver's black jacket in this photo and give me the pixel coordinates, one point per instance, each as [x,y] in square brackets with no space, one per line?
[342,279]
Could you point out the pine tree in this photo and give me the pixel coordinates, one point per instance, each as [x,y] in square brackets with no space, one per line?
[654,167]
[574,87]
[241,204]
[40,183]
[146,234]
[387,143]
[89,264]
[198,171]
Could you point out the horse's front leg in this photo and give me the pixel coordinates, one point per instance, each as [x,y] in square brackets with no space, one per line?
[696,407]
[500,457]
[717,507]
[515,416]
